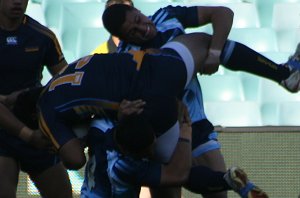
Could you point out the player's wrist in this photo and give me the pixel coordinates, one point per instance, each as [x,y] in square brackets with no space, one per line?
[25,134]
[3,99]
[214,52]
[185,132]
[184,140]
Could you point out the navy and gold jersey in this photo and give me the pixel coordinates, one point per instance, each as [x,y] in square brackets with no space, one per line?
[96,84]
[23,54]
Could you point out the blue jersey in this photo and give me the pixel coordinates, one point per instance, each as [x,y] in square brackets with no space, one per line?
[110,174]
[23,54]
[171,22]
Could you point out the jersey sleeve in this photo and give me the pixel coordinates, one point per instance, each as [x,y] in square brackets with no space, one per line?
[126,173]
[187,16]
[54,56]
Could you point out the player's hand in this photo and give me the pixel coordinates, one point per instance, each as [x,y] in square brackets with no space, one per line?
[2,98]
[130,107]
[39,140]
[12,97]
[211,64]
[184,121]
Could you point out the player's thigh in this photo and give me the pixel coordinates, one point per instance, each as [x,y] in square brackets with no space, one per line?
[212,159]
[206,148]
[72,154]
[198,45]
[9,172]
[54,182]
[165,192]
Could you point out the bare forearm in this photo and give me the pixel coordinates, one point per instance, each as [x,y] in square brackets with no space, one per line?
[221,23]
[177,170]
[221,19]
[13,125]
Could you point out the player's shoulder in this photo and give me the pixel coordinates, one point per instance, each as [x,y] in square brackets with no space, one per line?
[38,28]
[171,8]
[165,13]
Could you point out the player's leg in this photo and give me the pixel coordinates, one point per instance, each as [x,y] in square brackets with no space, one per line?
[193,49]
[45,170]
[239,57]
[206,148]
[292,83]
[53,182]
[203,180]
[9,173]
[72,154]
[69,147]
[165,192]
[213,159]
[206,152]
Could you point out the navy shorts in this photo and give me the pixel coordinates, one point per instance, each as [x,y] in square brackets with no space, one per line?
[204,138]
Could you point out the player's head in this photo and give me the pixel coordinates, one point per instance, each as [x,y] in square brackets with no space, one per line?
[11,9]
[112,2]
[128,23]
[135,136]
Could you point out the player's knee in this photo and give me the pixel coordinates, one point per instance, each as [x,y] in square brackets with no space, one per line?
[8,193]
[72,155]
[183,177]
[74,163]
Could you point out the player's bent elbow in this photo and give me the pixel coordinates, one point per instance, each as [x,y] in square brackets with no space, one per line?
[227,11]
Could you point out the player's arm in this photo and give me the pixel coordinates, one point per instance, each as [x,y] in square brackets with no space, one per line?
[221,19]
[130,107]
[176,172]
[8,120]
[55,60]
[15,126]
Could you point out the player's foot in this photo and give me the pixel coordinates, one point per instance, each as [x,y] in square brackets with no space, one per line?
[292,83]
[238,180]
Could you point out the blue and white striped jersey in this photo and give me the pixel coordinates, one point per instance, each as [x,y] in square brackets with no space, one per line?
[171,22]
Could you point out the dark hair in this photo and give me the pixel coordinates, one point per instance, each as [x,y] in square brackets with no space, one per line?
[114,17]
[134,134]
[112,2]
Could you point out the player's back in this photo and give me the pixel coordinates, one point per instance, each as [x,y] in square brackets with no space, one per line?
[90,84]
[96,84]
